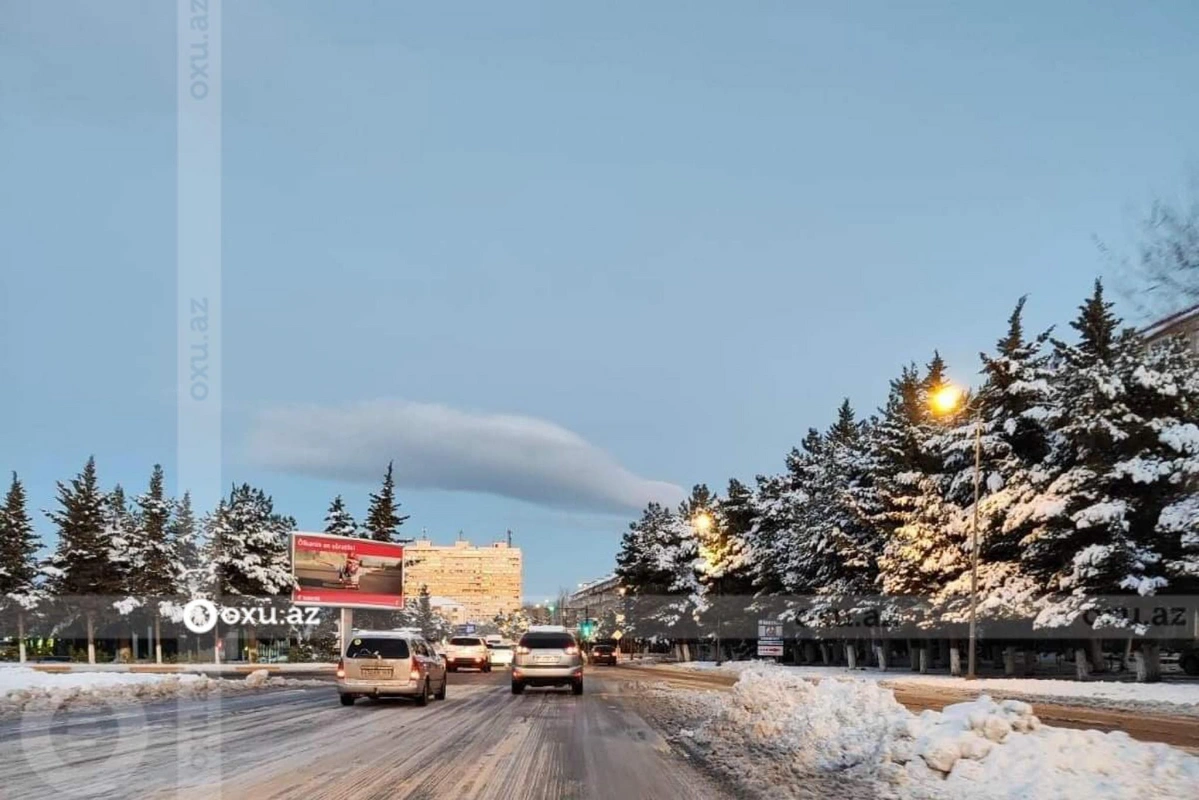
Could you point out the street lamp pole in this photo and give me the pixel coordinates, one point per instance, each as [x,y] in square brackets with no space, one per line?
[978,450]
[719,595]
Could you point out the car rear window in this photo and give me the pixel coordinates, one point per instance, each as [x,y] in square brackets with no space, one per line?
[466,641]
[603,648]
[501,647]
[377,648]
[547,641]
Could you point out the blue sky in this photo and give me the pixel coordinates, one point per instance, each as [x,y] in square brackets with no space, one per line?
[555,260]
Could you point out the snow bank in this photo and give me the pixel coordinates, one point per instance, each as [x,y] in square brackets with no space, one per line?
[1166,698]
[980,749]
[23,689]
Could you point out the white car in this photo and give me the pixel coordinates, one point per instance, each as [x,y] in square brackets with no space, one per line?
[468,652]
[501,654]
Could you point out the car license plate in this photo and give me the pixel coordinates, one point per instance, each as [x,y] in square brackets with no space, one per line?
[376,673]
[545,660]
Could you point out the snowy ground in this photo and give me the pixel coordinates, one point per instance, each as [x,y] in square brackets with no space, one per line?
[1171,698]
[23,689]
[776,728]
[232,668]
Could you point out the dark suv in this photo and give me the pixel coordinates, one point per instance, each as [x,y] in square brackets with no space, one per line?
[547,656]
[603,654]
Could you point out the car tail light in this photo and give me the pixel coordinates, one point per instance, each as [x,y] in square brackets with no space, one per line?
[414,674]
[524,651]
[341,668]
[572,651]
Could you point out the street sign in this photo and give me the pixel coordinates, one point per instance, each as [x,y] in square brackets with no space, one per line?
[617,635]
[770,638]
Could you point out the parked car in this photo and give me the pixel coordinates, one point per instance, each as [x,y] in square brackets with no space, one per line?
[603,654]
[501,655]
[390,664]
[468,652]
[548,658]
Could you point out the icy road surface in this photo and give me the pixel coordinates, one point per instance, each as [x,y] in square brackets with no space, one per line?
[483,742]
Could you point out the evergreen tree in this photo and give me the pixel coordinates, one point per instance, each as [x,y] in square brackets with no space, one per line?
[80,572]
[156,568]
[185,543]
[383,519]
[19,545]
[424,614]
[338,520]
[154,577]
[1082,547]
[1017,409]
[640,568]
[249,545]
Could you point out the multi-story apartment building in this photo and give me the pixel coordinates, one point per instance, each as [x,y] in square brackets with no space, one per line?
[483,580]
[593,600]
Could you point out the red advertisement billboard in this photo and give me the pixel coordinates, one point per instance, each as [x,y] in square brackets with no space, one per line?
[346,572]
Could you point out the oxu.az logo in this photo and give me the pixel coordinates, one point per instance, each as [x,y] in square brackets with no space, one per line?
[200,616]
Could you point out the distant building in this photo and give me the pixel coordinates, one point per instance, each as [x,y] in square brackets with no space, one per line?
[593,599]
[1183,323]
[482,580]
[450,610]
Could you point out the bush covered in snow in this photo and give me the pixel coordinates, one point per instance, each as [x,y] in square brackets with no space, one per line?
[979,749]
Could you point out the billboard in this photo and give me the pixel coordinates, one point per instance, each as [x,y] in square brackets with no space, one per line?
[346,572]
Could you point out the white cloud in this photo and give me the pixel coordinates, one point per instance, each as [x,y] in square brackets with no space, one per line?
[436,447]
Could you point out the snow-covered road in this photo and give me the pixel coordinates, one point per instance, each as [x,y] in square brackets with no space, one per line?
[482,742]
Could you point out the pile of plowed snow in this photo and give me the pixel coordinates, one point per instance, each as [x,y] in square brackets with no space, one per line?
[23,689]
[980,749]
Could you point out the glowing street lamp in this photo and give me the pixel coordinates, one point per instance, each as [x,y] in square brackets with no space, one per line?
[949,399]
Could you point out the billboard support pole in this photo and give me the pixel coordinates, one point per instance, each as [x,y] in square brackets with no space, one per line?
[347,625]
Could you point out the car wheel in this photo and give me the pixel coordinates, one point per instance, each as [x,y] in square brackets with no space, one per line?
[487,668]
[441,692]
[346,699]
[422,699]
[576,687]
[1190,664]
[517,687]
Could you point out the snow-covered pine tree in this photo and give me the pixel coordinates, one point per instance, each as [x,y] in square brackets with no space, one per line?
[1166,386]
[80,573]
[735,513]
[844,544]
[766,537]
[1084,549]
[383,519]
[920,553]
[339,521]
[1017,408]
[125,557]
[424,613]
[20,592]
[185,543]
[154,579]
[249,546]
[639,569]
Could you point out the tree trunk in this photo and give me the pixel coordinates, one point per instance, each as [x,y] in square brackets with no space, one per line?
[1128,662]
[923,665]
[851,655]
[824,655]
[1030,661]
[91,639]
[252,645]
[21,636]
[1148,659]
[157,639]
[955,660]
[1080,663]
[1098,663]
[216,644]
[1009,661]
[914,651]
[880,652]
[809,653]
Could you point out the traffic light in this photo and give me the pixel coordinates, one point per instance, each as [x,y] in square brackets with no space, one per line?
[587,628]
